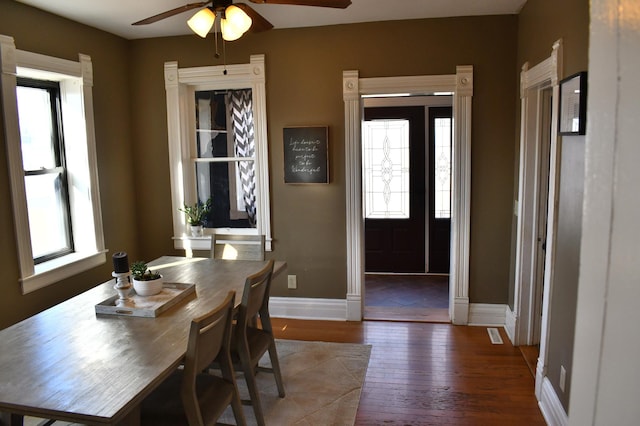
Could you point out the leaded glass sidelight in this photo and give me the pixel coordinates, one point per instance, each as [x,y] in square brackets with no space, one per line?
[442,159]
[386,169]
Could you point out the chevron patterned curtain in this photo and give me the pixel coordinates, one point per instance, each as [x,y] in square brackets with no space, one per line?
[240,110]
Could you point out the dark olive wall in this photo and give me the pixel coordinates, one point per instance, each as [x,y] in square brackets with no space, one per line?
[540,24]
[304,87]
[44,33]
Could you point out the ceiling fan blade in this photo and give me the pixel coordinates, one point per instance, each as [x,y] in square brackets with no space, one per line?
[168,13]
[338,4]
[259,23]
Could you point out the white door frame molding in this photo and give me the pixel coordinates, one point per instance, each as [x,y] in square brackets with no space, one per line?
[461,85]
[533,82]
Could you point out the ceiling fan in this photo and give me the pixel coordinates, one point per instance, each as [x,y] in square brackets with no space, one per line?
[236,22]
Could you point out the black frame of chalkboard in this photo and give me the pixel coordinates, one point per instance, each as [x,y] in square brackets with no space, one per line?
[319,135]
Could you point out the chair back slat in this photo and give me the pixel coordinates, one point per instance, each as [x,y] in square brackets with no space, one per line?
[255,295]
[208,334]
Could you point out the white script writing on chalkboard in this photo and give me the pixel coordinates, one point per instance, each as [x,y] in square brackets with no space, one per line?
[304,169]
[305,155]
[304,145]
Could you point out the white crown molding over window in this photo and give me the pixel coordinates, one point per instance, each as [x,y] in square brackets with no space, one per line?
[461,85]
[180,85]
[76,81]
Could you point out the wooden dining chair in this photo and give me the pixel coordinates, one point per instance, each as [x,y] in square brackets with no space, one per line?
[190,396]
[253,336]
[239,247]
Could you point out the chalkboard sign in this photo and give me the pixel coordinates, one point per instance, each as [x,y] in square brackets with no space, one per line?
[305,155]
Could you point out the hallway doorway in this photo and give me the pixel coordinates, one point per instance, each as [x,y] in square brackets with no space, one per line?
[356,91]
[406,157]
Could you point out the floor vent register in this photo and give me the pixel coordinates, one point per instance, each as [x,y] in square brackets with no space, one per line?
[494,335]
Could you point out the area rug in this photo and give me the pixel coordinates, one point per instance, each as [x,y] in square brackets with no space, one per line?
[322,382]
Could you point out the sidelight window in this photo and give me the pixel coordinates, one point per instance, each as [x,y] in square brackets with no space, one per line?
[442,160]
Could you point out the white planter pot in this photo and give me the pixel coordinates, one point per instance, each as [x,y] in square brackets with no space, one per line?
[196,230]
[148,288]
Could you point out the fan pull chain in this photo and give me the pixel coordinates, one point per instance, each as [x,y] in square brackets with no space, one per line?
[224,46]
[224,56]
[215,35]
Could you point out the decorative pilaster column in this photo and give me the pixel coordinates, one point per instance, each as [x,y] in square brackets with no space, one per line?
[461,204]
[353,170]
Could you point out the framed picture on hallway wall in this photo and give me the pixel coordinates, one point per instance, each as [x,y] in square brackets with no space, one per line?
[573,105]
[306,158]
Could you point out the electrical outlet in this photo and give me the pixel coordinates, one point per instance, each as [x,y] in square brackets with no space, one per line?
[563,377]
[292,282]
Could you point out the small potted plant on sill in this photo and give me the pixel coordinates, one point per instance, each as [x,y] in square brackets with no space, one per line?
[195,216]
[145,281]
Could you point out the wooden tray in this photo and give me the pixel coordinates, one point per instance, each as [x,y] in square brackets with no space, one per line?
[147,306]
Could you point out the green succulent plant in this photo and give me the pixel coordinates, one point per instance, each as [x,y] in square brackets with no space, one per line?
[141,271]
[195,213]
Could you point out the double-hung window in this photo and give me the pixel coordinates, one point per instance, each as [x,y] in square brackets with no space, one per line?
[217,138]
[45,173]
[51,155]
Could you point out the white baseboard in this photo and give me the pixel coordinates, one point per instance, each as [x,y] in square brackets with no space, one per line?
[487,314]
[336,310]
[510,324]
[460,311]
[551,407]
[308,308]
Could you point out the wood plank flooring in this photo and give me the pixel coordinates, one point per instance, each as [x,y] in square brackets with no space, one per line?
[431,374]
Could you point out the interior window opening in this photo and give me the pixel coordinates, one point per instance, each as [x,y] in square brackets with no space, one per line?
[225,157]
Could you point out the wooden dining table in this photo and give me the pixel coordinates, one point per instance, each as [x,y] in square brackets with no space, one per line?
[70,363]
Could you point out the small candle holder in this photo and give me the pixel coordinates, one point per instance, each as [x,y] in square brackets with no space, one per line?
[123,286]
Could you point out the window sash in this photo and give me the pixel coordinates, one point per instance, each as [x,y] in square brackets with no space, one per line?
[48,207]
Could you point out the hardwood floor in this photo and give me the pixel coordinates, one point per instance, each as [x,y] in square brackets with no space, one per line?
[530,355]
[431,374]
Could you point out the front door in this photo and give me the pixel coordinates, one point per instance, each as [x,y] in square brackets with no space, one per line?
[394,158]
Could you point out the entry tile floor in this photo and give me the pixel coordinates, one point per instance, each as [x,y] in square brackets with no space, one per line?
[422,298]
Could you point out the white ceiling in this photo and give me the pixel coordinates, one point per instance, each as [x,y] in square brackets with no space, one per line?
[116,16]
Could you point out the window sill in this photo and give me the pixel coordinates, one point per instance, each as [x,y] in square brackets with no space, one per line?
[55,270]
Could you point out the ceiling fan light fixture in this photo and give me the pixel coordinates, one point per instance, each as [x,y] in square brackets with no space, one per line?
[238,18]
[229,31]
[202,22]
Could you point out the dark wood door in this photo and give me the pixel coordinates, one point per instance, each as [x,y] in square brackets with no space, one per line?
[398,245]
[439,221]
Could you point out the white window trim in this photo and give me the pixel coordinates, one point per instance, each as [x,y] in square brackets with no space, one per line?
[76,82]
[180,84]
